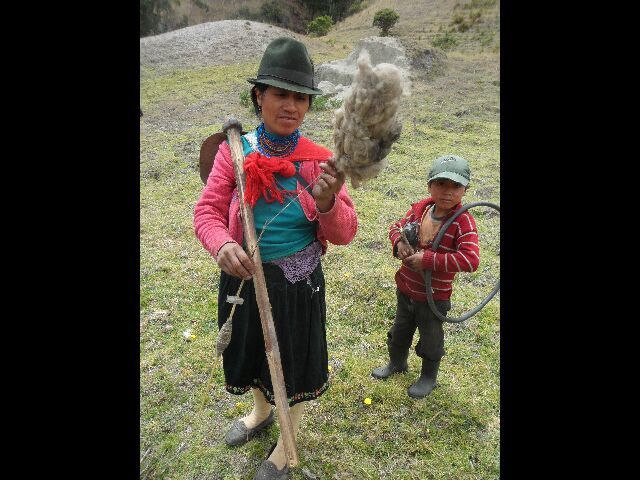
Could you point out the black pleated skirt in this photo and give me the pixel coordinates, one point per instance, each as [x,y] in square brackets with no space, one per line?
[299,317]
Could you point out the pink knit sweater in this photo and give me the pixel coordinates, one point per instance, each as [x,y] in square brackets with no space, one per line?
[217,213]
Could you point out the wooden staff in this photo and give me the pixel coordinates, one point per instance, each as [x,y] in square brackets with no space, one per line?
[233,128]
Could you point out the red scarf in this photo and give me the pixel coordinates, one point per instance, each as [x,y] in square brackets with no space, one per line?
[259,170]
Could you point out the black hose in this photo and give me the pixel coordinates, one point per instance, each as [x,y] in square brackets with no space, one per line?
[427,273]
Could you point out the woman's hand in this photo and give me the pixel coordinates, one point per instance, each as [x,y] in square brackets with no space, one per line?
[414,262]
[327,185]
[404,250]
[233,260]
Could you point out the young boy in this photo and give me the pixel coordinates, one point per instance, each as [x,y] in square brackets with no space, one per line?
[458,252]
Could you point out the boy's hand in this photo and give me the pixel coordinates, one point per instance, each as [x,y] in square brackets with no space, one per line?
[404,250]
[414,262]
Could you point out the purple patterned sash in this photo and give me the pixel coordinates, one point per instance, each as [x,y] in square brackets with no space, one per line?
[300,264]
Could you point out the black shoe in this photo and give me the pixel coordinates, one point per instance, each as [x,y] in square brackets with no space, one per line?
[397,363]
[427,381]
[239,434]
[268,470]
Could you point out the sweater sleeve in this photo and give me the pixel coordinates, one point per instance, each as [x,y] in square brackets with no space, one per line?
[340,223]
[466,255]
[211,212]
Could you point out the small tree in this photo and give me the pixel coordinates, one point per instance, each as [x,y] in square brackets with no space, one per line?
[152,15]
[385,19]
[272,13]
[320,26]
[355,8]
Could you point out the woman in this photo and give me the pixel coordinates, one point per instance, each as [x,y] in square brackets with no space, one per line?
[279,164]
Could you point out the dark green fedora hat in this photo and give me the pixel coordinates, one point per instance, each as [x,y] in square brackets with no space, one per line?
[286,64]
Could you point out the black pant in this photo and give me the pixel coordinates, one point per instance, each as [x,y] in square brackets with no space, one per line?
[411,314]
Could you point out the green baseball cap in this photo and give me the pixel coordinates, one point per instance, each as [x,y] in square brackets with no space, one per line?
[286,64]
[452,167]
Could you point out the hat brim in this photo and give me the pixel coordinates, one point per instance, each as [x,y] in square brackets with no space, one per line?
[294,87]
[451,176]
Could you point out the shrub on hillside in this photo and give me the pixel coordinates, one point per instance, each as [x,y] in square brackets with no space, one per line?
[245,13]
[475,16]
[355,8]
[445,41]
[459,22]
[200,4]
[385,19]
[245,99]
[323,102]
[271,12]
[336,9]
[479,4]
[153,14]
[462,25]
[320,26]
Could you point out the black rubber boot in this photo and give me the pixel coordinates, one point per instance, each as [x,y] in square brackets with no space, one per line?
[427,381]
[397,363]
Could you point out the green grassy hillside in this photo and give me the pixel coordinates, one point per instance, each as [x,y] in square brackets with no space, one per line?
[452,434]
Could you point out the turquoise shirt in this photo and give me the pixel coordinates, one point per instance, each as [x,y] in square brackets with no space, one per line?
[291,231]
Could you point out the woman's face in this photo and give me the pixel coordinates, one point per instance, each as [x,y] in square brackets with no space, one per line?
[282,110]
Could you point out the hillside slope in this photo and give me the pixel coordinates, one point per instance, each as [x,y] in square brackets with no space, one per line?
[292,13]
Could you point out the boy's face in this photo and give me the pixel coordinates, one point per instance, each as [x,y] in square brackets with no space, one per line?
[446,193]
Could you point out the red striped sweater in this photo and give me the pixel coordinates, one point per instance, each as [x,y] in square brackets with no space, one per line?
[458,252]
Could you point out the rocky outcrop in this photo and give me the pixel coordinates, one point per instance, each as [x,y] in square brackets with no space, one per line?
[335,78]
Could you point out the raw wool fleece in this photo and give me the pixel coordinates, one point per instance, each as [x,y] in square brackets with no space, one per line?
[365,125]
